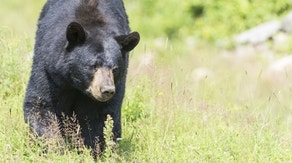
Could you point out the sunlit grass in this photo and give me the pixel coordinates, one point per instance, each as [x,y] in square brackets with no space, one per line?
[170,112]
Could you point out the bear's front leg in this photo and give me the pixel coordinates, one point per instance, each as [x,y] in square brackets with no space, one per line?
[117,128]
[42,121]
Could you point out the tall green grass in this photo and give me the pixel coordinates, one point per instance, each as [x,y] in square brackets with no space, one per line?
[185,102]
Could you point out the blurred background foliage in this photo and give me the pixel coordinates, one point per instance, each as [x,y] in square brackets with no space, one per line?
[204,19]
[208,20]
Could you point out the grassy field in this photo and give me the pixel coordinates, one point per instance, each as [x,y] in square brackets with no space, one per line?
[186,101]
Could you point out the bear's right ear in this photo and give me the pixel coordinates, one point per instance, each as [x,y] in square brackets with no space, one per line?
[128,42]
[75,35]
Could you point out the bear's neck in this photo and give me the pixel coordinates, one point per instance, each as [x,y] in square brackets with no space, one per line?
[61,99]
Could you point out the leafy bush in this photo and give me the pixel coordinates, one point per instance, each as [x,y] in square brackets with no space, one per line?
[134,105]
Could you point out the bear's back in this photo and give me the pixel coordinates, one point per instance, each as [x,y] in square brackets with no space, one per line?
[57,14]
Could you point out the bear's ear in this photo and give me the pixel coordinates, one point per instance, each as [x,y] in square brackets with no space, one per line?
[128,42]
[75,35]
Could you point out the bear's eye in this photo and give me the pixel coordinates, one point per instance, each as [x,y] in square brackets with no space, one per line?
[94,66]
[115,70]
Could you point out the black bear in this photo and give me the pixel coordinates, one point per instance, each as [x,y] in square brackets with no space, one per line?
[79,67]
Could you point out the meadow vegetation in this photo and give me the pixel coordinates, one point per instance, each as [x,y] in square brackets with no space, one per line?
[187,100]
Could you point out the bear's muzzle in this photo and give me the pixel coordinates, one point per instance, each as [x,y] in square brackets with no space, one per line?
[102,87]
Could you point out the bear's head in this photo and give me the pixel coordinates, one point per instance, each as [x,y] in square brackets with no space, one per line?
[97,60]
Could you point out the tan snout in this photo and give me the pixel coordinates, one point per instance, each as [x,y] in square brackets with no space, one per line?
[102,87]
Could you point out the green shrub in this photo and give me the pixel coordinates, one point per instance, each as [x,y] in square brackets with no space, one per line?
[209,20]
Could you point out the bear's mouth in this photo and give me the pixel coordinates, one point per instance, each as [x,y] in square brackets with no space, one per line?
[102,86]
[103,99]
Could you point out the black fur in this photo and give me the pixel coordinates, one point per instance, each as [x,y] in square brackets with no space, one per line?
[73,38]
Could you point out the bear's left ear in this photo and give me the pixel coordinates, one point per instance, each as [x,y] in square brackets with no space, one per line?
[75,35]
[128,42]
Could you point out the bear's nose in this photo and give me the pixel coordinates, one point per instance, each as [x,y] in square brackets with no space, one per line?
[108,91]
